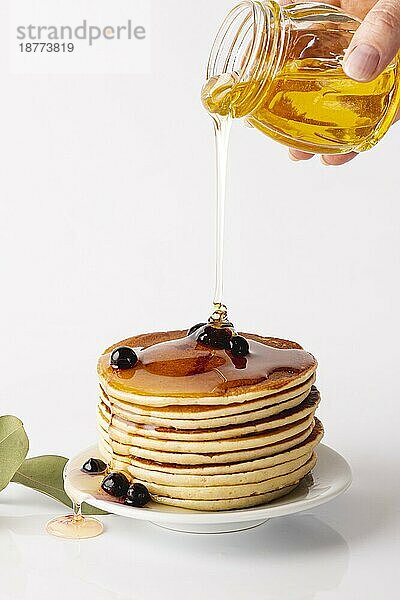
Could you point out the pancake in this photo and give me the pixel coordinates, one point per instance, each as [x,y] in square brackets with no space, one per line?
[234,412]
[215,445]
[185,480]
[204,428]
[304,410]
[224,492]
[227,504]
[172,469]
[192,458]
[202,374]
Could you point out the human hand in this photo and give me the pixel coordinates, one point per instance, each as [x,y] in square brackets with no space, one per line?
[373,47]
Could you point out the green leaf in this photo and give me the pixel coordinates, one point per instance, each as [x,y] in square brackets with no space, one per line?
[45,474]
[14,446]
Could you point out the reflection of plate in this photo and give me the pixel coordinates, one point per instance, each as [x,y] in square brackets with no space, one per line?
[329,478]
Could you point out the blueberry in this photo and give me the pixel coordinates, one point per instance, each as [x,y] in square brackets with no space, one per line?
[216,337]
[239,346]
[94,466]
[195,328]
[137,495]
[123,358]
[115,484]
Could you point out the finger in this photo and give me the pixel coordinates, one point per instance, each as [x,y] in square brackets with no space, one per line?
[375,43]
[299,154]
[335,160]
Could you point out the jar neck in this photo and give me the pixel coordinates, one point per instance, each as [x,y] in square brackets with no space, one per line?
[248,47]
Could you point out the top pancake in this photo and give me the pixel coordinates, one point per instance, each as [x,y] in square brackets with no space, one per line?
[174,368]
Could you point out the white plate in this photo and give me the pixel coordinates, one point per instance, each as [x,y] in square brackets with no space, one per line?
[330,477]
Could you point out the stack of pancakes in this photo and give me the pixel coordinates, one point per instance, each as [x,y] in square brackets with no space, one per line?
[238,442]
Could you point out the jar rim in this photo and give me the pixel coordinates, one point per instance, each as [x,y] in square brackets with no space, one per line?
[234,45]
[249,46]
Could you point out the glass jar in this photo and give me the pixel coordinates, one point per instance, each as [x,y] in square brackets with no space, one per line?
[281,69]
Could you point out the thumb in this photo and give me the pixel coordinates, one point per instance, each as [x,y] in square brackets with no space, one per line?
[375,43]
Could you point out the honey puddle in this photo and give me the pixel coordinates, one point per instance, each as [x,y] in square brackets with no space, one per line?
[77,526]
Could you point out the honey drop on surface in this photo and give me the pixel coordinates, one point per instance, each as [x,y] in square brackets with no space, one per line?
[75,526]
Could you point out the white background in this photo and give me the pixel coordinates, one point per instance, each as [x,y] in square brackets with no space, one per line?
[107,230]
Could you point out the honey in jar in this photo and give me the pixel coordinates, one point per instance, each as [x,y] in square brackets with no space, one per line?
[280,68]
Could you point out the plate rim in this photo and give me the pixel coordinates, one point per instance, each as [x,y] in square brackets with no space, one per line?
[182,515]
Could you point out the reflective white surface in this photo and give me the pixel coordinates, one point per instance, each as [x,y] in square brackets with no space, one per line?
[346,549]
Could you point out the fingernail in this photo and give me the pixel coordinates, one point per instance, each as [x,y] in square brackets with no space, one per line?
[293,158]
[362,62]
[325,162]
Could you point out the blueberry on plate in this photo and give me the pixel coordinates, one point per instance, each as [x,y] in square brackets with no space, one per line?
[137,495]
[239,346]
[123,358]
[215,337]
[94,466]
[195,328]
[115,484]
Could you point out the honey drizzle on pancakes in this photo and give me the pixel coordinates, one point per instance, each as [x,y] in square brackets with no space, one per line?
[182,367]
